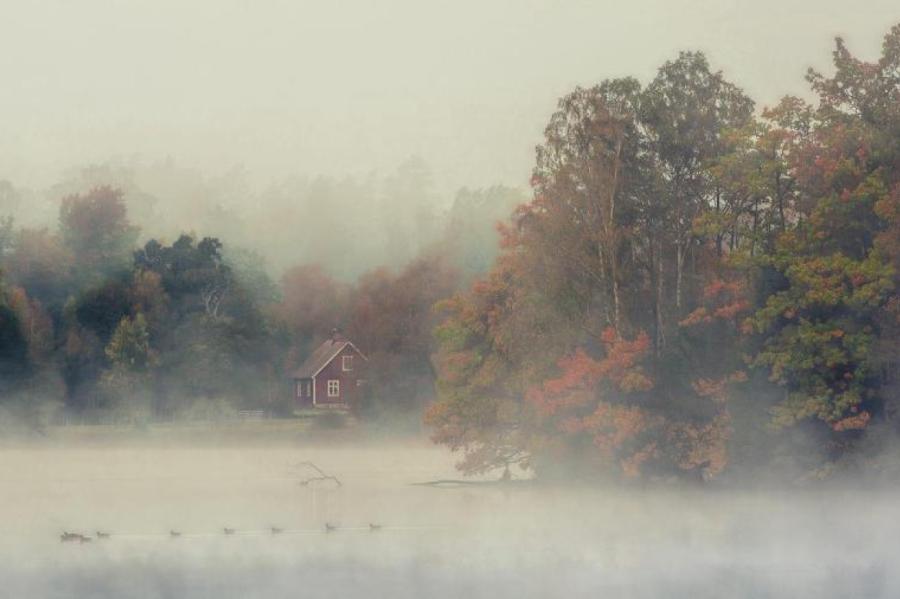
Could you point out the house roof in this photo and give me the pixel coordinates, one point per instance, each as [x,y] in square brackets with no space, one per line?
[323,355]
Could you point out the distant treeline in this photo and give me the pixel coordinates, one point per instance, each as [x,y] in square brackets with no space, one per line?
[697,289]
[95,327]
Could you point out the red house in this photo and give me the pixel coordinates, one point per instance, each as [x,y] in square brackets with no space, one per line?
[331,375]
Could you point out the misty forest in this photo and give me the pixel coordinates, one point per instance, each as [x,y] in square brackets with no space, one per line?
[694,287]
[665,365]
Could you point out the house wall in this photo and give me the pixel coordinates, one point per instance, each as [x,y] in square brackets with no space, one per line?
[348,390]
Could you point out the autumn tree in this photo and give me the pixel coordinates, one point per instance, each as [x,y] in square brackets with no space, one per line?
[492,344]
[95,228]
[822,327]
[14,363]
[127,379]
[390,317]
[639,194]
[39,263]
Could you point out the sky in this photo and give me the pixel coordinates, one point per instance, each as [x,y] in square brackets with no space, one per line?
[287,87]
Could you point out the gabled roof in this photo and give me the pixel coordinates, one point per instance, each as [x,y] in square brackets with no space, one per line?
[323,355]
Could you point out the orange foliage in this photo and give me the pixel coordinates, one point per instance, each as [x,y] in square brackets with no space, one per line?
[852,423]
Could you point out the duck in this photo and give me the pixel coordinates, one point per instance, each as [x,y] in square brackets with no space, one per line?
[228,531]
[68,537]
[374,526]
[276,531]
[103,535]
[330,527]
[174,534]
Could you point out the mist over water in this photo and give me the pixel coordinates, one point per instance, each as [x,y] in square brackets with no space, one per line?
[521,540]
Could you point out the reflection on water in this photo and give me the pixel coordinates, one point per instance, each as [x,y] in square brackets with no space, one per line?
[490,541]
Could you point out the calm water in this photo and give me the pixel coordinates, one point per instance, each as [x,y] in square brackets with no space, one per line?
[460,542]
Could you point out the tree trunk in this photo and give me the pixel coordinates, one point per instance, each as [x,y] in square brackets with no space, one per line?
[660,321]
[719,233]
[679,270]
[613,237]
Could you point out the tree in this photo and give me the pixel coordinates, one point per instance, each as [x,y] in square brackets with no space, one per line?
[390,317]
[129,346]
[126,382]
[36,324]
[582,187]
[685,112]
[14,363]
[312,304]
[195,276]
[619,184]
[42,266]
[822,328]
[95,228]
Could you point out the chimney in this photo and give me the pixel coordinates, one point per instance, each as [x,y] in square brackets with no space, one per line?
[336,335]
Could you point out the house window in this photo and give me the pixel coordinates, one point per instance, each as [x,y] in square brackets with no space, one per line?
[347,363]
[299,389]
[334,388]
[308,388]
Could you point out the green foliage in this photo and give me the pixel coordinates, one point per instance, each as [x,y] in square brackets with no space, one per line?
[129,347]
[13,350]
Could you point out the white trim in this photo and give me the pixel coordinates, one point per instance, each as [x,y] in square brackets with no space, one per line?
[347,363]
[335,354]
[314,388]
[356,349]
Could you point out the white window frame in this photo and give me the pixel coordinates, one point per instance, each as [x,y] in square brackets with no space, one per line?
[346,363]
[334,388]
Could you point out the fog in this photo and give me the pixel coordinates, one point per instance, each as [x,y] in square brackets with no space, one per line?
[524,540]
[313,87]
[630,339]
[230,118]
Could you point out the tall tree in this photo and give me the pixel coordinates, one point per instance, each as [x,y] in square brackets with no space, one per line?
[95,228]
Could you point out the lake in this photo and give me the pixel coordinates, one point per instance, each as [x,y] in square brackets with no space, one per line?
[470,541]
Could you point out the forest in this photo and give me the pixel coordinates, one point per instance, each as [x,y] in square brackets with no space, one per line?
[696,288]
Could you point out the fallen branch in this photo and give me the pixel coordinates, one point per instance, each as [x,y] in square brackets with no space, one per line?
[322,475]
[477,483]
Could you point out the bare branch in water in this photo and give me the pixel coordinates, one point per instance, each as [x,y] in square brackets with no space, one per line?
[321,475]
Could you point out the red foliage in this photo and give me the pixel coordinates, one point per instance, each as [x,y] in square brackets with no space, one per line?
[580,372]
[591,397]
[724,300]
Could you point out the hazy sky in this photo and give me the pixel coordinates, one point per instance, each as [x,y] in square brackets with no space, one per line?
[353,86]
